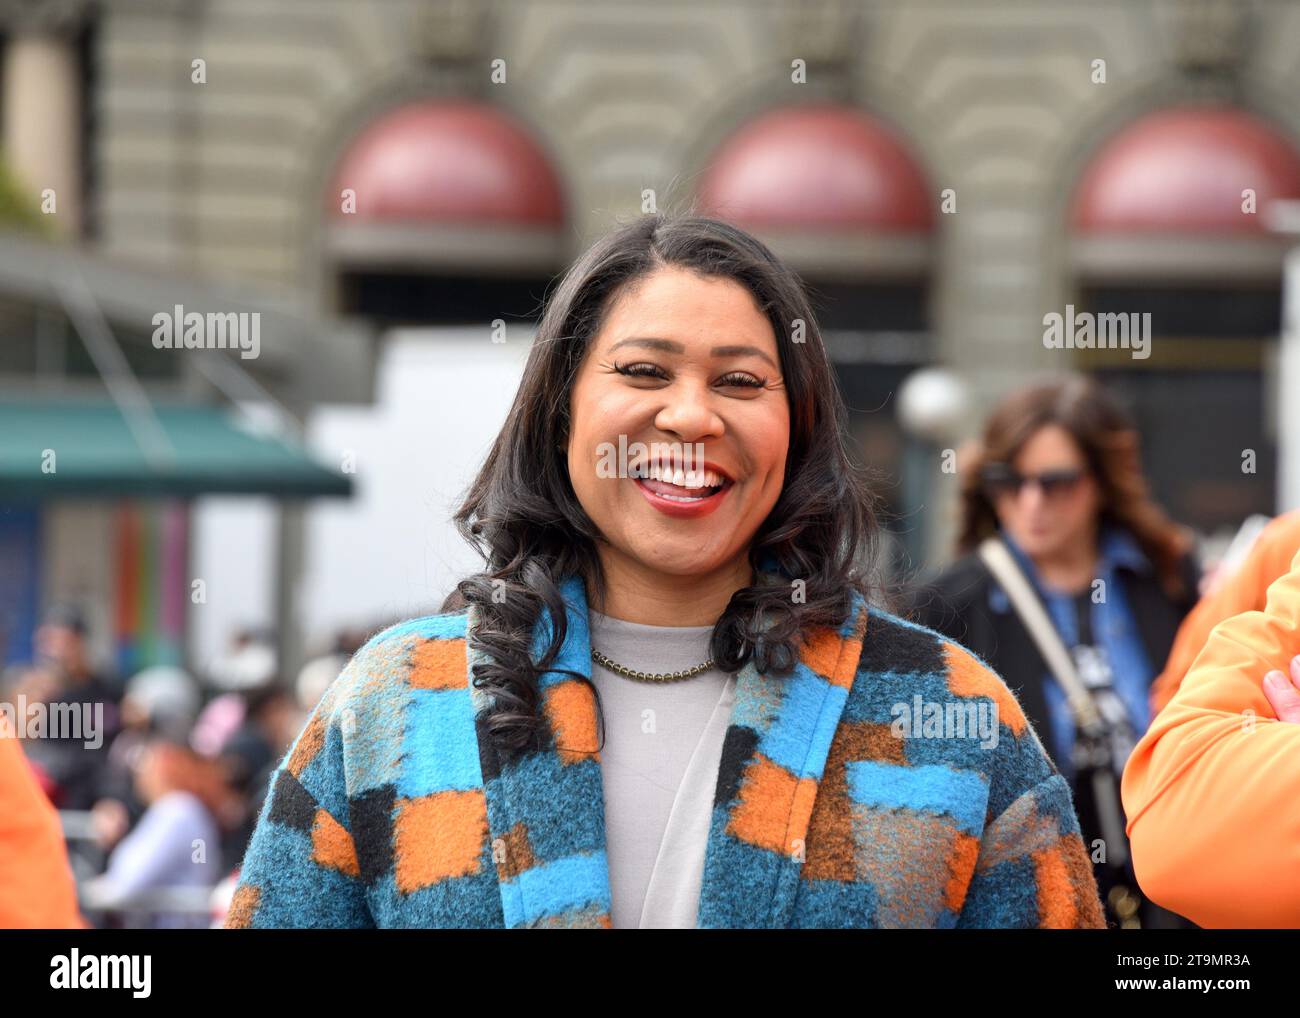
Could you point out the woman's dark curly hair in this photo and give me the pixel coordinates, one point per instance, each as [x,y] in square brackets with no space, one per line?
[522,516]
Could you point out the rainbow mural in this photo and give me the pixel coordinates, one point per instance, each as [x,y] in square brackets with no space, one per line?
[151,547]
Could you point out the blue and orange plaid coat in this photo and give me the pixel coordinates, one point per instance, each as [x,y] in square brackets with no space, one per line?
[392,809]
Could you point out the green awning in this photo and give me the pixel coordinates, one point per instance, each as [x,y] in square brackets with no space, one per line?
[55,449]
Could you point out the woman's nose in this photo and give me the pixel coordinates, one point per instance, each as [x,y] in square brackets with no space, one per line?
[688,413]
[1031,496]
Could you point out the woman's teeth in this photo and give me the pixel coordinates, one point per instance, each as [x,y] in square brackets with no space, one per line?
[678,492]
[681,478]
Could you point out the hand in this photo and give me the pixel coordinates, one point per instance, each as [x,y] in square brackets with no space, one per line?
[1284,693]
[110,821]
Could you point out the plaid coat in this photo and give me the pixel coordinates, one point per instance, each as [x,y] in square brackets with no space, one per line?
[833,807]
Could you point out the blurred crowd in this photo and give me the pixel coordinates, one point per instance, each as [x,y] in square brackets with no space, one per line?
[156,790]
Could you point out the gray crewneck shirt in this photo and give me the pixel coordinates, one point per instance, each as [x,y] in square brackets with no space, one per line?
[659,767]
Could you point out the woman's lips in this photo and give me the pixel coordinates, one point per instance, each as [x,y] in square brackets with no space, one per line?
[674,500]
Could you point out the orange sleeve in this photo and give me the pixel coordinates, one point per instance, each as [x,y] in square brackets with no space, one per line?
[1211,789]
[36,885]
[1244,590]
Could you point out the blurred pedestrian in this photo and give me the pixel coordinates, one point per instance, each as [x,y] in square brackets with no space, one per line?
[177,843]
[71,688]
[162,700]
[272,718]
[1071,586]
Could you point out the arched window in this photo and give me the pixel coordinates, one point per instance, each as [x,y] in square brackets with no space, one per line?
[444,212]
[1169,218]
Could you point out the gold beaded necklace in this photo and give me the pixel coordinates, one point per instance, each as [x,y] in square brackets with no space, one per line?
[631,673]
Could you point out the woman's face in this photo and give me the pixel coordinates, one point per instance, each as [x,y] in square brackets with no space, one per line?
[683,364]
[1047,522]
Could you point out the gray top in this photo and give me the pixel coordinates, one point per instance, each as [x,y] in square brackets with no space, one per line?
[659,765]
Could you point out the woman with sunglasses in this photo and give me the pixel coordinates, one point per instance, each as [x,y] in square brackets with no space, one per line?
[668,699]
[1056,483]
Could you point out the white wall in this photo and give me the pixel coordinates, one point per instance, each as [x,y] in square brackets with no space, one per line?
[233,551]
[390,551]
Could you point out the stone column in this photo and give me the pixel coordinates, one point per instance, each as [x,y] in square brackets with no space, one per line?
[42,105]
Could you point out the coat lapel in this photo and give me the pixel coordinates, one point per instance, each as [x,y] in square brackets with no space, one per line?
[772,765]
[546,813]
[545,808]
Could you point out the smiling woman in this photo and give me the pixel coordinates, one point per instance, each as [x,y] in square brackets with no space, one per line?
[729,398]
[668,699]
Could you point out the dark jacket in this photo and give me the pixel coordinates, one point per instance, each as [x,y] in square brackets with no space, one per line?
[956,603]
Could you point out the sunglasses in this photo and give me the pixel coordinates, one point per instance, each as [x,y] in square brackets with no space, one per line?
[1000,479]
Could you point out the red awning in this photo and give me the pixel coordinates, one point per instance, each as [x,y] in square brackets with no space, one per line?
[1184,171]
[448,162]
[818,167]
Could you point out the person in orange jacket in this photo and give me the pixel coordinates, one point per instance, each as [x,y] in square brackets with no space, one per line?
[1270,556]
[36,885]
[1210,790]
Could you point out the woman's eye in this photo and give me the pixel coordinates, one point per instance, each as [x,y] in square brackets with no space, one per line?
[740,378]
[642,369]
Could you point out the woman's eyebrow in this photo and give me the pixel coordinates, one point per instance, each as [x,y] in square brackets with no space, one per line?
[740,351]
[672,346]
